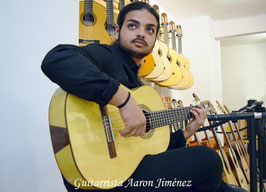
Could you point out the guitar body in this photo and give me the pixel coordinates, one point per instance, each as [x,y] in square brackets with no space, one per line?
[147,66]
[167,72]
[96,31]
[228,175]
[80,145]
[191,79]
[185,75]
[242,163]
[239,173]
[158,66]
[176,76]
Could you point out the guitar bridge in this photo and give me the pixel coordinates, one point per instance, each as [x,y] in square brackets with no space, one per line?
[108,133]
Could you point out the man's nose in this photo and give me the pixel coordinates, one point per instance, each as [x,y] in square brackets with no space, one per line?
[141,33]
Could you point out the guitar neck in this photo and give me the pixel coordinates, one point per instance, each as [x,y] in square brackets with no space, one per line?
[179,44]
[121,4]
[110,12]
[88,7]
[168,117]
[173,40]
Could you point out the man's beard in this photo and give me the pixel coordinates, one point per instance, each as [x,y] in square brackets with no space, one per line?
[133,53]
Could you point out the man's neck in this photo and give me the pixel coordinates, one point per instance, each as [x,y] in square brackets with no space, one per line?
[137,61]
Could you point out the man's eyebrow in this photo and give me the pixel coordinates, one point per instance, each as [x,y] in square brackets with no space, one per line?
[137,22]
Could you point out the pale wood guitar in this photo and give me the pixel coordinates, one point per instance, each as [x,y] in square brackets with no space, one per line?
[233,160]
[243,164]
[181,60]
[176,76]
[240,140]
[228,175]
[87,143]
[159,53]
[92,18]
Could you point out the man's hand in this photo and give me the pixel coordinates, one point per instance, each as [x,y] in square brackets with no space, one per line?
[133,118]
[194,124]
[131,114]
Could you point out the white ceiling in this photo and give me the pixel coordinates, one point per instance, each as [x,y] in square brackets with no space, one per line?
[218,10]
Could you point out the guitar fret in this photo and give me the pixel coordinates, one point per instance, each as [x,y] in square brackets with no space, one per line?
[109,10]
[121,4]
[88,7]
[169,116]
[173,40]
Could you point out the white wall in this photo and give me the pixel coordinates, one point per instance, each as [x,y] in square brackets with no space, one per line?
[243,73]
[29,29]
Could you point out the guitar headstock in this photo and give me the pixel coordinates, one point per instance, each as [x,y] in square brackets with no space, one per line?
[180,103]
[172,26]
[208,106]
[174,102]
[179,30]
[220,107]
[164,18]
[164,102]
[227,110]
[168,101]
[196,97]
[156,8]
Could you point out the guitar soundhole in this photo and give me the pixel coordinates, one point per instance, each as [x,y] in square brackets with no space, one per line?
[110,29]
[88,19]
[169,58]
[160,52]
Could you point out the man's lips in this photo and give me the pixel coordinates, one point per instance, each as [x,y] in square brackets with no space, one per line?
[139,42]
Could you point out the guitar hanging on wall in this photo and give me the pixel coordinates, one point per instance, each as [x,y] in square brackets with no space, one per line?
[92,16]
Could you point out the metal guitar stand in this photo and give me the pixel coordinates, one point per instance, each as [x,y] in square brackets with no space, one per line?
[255,115]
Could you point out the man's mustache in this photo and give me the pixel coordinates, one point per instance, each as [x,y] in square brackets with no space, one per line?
[138,39]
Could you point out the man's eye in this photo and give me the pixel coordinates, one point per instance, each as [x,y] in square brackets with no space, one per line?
[150,30]
[131,26]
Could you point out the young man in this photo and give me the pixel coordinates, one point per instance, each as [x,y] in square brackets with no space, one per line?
[96,73]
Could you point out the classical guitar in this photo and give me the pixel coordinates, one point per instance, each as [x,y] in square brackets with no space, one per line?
[181,60]
[176,76]
[111,19]
[159,53]
[233,160]
[87,143]
[92,18]
[187,62]
[228,175]
[237,149]
[240,140]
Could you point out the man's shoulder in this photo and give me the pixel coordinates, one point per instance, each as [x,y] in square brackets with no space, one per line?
[96,47]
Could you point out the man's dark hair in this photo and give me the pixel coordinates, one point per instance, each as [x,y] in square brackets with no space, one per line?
[136,6]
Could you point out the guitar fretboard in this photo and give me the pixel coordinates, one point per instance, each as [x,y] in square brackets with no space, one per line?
[88,9]
[168,117]
[110,13]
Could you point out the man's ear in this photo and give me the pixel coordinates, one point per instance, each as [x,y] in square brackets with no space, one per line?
[117,30]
